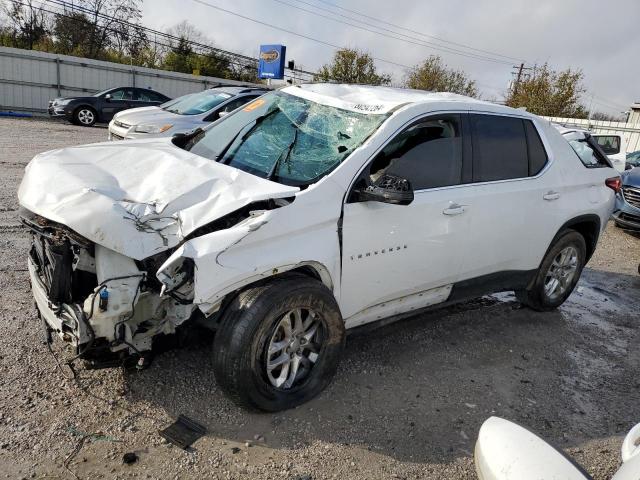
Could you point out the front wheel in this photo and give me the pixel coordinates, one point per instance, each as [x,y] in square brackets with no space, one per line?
[558,274]
[279,344]
[85,116]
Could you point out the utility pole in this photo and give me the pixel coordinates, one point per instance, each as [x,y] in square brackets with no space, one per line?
[591,107]
[518,79]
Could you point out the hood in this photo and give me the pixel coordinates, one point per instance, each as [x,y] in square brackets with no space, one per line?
[66,99]
[137,197]
[631,177]
[137,116]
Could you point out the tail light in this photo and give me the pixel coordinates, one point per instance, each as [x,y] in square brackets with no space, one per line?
[614,183]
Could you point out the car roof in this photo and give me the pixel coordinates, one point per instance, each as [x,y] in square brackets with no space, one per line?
[378,99]
[564,130]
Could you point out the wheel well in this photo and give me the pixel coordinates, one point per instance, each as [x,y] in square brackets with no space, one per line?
[75,111]
[588,226]
[309,271]
[317,272]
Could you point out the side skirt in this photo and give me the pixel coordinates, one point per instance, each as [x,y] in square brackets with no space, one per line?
[492,283]
[460,292]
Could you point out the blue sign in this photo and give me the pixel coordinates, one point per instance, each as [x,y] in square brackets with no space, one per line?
[271,64]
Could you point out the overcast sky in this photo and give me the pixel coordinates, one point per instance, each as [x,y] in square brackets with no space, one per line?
[601,38]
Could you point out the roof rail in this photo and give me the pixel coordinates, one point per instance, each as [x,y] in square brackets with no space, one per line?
[251,89]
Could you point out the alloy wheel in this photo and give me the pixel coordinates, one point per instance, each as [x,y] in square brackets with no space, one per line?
[561,273]
[86,117]
[294,348]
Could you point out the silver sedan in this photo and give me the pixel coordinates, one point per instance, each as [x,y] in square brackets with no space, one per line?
[182,114]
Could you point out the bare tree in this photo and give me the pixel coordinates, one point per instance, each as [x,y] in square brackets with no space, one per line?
[27,23]
[105,24]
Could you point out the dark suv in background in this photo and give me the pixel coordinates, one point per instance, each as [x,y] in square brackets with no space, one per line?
[102,106]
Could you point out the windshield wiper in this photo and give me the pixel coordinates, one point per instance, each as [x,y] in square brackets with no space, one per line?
[257,122]
[289,149]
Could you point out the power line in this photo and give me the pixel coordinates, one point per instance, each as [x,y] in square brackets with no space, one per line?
[86,20]
[408,39]
[413,31]
[74,7]
[208,48]
[249,62]
[612,103]
[307,37]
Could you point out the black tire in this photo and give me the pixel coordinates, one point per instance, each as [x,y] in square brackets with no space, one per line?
[85,116]
[535,296]
[248,325]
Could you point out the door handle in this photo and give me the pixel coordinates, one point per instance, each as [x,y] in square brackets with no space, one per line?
[551,196]
[454,209]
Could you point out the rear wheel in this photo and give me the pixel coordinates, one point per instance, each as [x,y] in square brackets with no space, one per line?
[279,344]
[558,274]
[85,116]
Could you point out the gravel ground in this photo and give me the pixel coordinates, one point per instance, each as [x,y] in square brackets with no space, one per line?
[407,401]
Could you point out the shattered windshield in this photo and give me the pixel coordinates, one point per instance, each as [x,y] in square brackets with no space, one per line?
[197,103]
[286,138]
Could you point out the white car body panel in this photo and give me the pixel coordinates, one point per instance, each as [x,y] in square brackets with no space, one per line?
[139,198]
[271,242]
[506,451]
[139,204]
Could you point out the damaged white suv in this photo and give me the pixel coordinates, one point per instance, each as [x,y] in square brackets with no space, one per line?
[312,210]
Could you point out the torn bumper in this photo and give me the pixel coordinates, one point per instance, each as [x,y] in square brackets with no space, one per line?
[97,300]
[64,320]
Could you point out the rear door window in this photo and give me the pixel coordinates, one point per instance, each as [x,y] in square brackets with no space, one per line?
[148,96]
[500,149]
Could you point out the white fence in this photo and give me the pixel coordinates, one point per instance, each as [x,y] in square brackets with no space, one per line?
[630,131]
[29,79]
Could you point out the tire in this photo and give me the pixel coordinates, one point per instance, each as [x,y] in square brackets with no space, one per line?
[255,321]
[537,296]
[85,117]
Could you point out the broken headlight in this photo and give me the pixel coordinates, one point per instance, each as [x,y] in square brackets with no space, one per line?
[176,276]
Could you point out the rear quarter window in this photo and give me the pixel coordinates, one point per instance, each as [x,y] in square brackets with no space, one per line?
[587,150]
[610,144]
[537,154]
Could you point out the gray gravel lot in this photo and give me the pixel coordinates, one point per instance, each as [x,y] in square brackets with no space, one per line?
[407,401]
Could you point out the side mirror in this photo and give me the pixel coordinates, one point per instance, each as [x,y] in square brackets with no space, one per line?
[222,113]
[107,97]
[388,189]
[181,139]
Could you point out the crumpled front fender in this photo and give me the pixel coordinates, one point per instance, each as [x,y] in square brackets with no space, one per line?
[229,259]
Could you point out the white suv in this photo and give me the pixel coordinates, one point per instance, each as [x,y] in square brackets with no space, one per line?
[311,210]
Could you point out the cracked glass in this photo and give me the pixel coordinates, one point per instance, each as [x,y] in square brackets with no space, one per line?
[285,138]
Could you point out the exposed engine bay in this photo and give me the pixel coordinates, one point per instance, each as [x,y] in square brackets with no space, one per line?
[96,299]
